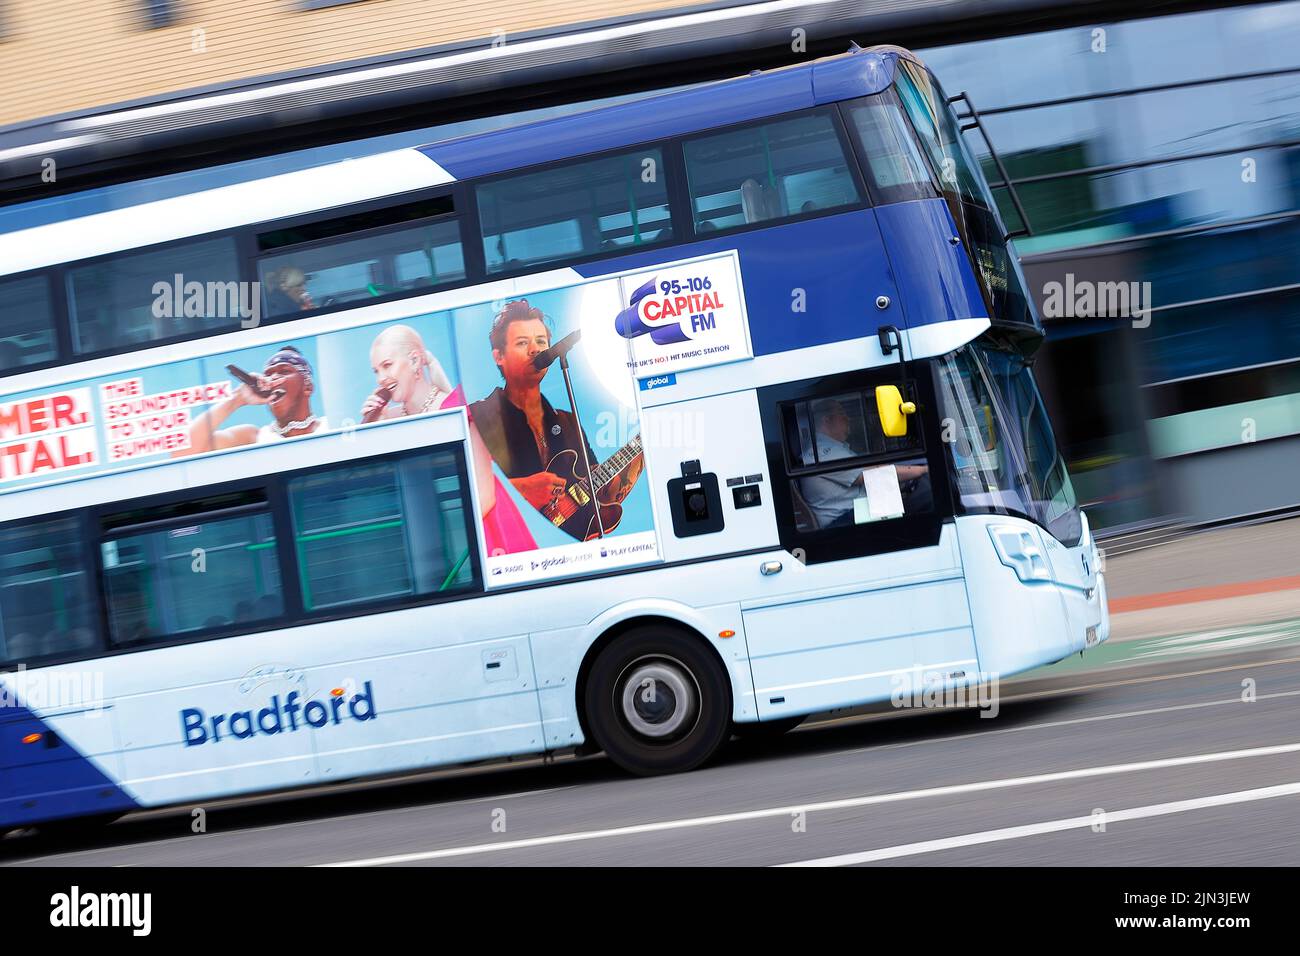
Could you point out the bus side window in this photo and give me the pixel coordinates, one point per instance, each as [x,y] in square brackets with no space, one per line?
[791,167]
[46,608]
[844,471]
[190,569]
[132,299]
[382,530]
[574,210]
[27,334]
[893,160]
[360,257]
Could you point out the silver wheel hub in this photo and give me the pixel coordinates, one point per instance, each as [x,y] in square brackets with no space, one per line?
[658,697]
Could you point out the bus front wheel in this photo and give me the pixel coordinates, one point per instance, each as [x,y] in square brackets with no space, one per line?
[658,701]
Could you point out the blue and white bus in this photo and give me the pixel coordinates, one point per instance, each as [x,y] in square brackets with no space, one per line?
[625,431]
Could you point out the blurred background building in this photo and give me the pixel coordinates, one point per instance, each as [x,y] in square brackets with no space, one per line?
[1161,149]
[64,55]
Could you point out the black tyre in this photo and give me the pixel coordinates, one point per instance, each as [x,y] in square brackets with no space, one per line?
[658,701]
[767,730]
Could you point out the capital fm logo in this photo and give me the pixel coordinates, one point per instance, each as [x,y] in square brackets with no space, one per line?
[671,311]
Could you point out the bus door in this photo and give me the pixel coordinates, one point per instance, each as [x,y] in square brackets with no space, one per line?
[869,601]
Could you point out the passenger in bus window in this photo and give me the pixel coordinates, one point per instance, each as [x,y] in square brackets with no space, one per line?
[284,388]
[288,292]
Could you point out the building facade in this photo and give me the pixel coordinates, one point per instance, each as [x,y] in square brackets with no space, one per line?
[69,55]
[1159,159]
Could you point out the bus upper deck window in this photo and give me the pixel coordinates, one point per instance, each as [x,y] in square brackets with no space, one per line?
[775,170]
[933,120]
[360,257]
[133,299]
[27,335]
[575,210]
[894,162]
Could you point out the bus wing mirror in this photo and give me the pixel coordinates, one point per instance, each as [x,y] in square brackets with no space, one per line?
[893,410]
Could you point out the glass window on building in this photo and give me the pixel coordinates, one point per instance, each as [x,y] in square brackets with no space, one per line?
[189,288]
[792,167]
[46,607]
[382,531]
[210,568]
[576,210]
[27,335]
[358,258]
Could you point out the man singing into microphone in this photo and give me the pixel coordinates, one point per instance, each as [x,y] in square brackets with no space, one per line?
[521,428]
[286,384]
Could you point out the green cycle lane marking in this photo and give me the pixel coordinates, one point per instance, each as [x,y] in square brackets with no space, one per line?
[1174,647]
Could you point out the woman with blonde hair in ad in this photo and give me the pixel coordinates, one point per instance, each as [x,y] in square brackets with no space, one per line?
[410,380]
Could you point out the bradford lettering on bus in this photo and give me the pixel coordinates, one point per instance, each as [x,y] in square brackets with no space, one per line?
[198,728]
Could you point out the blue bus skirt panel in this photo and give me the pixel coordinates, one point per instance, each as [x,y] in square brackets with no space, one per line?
[49,778]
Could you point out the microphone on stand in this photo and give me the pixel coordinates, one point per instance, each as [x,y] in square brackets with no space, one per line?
[560,348]
[543,361]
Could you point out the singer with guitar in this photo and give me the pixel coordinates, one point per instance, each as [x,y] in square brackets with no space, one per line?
[542,449]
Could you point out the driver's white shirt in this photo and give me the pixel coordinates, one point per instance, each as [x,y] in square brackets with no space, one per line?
[268,434]
[830,495]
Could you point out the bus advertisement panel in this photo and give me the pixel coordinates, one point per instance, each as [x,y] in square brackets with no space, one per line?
[560,488]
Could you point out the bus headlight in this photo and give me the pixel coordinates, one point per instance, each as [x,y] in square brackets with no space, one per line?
[1019,550]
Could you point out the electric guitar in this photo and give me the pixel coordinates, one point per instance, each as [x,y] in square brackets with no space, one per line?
[576,505]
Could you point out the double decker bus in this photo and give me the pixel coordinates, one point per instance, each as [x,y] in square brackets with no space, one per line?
[625,431]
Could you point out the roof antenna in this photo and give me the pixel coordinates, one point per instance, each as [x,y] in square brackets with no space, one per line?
[853,47]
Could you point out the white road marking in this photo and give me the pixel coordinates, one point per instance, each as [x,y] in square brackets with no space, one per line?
[745,815]
[1033,695]
[348,817]
[1053,826]
[1043,725]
